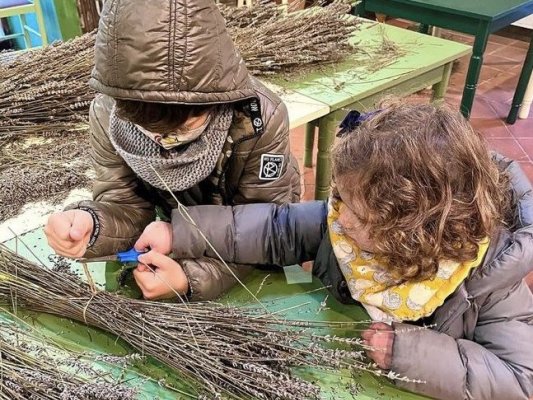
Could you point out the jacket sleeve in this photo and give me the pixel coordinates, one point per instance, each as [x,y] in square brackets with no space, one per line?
[122,213]
[209,278]
[496,364]
[274,141]
[264,234]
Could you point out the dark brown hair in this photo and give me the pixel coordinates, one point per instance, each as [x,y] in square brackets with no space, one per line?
[158,117]
[424,183]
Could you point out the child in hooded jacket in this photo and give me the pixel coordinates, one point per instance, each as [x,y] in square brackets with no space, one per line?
[177,115]
[424,226]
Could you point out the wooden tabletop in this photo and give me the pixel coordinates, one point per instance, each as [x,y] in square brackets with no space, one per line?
[301,109]
[368,71]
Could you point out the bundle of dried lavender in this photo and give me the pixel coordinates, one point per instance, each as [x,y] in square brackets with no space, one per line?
[272,41]
[46,92]
[40,169]
[237,352]
[32,368]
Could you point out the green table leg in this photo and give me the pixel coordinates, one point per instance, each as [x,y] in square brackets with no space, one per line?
[423,28]
[525,75]
[326,135]
[309,144]
[439,89]
[474,69]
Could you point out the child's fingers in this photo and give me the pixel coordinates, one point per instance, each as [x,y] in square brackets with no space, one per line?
[141,268]
[380,326]
[142,243]
[154,258]
[368,334]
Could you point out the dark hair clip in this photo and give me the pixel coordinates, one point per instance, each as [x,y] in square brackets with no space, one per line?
[352,120]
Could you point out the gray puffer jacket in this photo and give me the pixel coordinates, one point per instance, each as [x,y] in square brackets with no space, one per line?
[481,343]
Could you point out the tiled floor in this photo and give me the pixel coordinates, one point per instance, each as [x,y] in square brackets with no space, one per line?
[499,75]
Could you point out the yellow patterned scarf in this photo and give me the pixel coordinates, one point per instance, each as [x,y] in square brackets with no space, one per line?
[384,298]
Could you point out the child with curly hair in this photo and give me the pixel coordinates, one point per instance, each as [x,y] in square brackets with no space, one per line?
[425,226]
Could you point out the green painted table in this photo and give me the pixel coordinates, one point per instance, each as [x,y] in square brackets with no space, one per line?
[303,300]
[365,77]
[474,17]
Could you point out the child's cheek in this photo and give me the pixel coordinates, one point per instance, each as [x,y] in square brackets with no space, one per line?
[362,240]
[356,231]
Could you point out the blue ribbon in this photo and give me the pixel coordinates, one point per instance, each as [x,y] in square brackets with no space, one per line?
[352,120]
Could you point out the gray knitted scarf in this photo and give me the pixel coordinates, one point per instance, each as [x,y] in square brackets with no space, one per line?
[181,168]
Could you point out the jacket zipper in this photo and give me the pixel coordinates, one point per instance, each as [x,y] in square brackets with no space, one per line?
[238,142]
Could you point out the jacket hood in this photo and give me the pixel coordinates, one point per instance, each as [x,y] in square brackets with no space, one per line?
[172,51]
[510,256]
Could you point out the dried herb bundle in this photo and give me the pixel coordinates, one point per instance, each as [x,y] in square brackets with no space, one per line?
[224,351]
[41,169]
[272,41]
[46,92]
[31,368]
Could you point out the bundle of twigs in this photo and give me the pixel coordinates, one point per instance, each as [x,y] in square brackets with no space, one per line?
[41,169]
[45,91]
[272,41]
[240,352]
[44,102]
[33,368]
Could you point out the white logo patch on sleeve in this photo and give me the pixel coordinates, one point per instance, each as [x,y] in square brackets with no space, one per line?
[271,166]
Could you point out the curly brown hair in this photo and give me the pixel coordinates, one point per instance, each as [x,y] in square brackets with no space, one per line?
[424,184]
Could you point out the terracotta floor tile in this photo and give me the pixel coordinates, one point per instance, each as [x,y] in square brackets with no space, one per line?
[493,47]
[508,147]
[502,108]
[500,98]
[453,99]
[309,193]
[457,37]
[461,65]
[501,39]
[522,128]
[489,73]
[456,84]
[502,84]
[527,145]
[491,128]
[400,23]
[500,101]
[522,44]
[297,138]
[512,53]
[482,109]
[499,62]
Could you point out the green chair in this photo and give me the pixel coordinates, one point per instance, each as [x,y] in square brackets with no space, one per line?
[13,8]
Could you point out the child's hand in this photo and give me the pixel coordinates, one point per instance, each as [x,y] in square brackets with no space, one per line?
[156,236]
[380,337]
[160,277]
[69,232]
